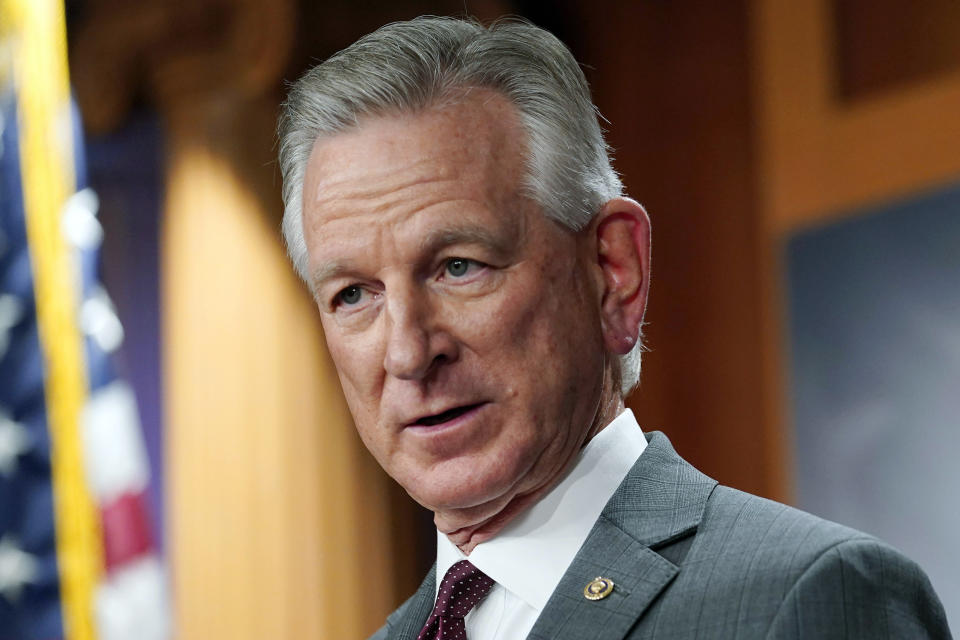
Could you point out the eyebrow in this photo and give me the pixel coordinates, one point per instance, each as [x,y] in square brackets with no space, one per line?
[328,271]
[430,243]
[445,237]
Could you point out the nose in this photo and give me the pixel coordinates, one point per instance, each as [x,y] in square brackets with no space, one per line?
[416,344]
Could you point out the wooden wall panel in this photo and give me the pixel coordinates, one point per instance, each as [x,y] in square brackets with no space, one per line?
[820,155]
[886,45]
[674,81]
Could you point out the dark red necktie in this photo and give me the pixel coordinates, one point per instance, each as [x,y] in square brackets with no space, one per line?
[462,588]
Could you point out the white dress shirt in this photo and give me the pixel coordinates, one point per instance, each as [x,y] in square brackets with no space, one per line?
[530,555]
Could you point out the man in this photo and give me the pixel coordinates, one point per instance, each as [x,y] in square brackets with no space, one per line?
[482,282]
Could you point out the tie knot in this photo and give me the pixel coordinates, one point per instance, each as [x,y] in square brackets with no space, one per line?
[462,588]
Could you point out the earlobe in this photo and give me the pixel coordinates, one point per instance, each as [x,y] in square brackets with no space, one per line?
[623,254]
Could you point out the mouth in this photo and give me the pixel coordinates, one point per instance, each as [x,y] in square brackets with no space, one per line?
[445,416]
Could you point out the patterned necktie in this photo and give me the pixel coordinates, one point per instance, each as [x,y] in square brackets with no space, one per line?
[462,588]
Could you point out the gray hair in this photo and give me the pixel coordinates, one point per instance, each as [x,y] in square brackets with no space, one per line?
[406,67]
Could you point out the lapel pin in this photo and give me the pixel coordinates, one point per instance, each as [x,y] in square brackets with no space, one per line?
[598,588]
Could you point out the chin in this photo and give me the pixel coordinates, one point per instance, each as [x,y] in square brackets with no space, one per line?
[473,491]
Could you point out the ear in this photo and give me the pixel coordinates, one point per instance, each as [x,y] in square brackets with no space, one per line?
[623,253]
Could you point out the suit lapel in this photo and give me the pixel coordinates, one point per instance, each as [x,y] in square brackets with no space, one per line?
[406,622]
[662,499]
[638,574]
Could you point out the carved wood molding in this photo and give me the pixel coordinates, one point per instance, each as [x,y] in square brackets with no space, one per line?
[175,52]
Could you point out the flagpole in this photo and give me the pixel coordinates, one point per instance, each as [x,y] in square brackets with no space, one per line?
[46,159]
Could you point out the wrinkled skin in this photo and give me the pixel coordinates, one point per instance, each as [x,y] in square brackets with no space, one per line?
[475,339]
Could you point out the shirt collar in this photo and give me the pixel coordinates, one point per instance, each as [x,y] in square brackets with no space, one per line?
[531,554]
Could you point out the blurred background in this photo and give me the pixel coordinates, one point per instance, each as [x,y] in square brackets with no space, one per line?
[801,165]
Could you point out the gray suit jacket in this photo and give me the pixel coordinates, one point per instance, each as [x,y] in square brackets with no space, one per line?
[691,559]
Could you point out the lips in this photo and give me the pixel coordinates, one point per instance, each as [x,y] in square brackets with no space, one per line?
[445,416]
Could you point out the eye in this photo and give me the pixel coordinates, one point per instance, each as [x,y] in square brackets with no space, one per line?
[459,267]
[350,296]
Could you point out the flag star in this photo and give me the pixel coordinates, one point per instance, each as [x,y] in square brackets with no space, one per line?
[17,568]
[14,440]
[79,222]
[98,319]
[11,311]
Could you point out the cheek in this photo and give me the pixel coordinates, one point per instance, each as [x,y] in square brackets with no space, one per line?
[354,361]
[499,330]
[532,332]
[363,402]
[562,341]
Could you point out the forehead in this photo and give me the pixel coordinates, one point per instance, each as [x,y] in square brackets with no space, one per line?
[472,149]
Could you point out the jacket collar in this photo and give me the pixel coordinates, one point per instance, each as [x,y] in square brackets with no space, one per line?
[662,498]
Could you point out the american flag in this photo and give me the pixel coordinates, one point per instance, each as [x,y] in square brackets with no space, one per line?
[76,556]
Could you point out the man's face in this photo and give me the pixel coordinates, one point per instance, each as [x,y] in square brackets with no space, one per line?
[464,325]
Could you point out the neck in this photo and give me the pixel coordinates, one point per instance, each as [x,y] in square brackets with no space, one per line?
[609,406]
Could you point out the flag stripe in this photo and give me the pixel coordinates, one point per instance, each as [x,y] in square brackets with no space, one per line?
[126,530]
[46,158]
